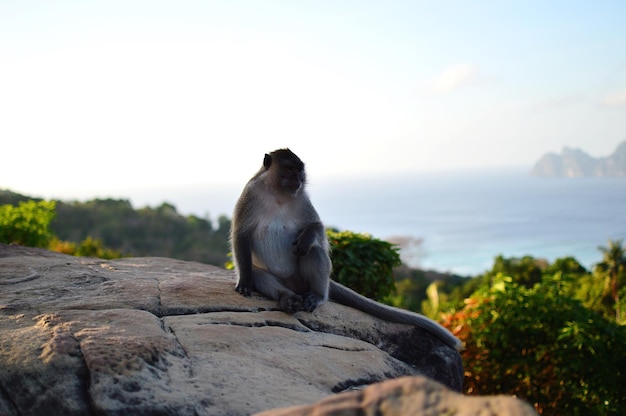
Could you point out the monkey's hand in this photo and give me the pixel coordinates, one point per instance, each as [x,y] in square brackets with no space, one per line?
[306,239]
[244,289]
[301,247]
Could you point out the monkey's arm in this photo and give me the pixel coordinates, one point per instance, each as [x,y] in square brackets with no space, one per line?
[346,296]
[242,253]
[307,238]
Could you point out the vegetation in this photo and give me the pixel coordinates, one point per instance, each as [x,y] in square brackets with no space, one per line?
[550,333]
[108,227]
[363,263]
[27,224]
[611,269]
[543,347]
[414,288]
[159,231]
[89,247]
[547,333]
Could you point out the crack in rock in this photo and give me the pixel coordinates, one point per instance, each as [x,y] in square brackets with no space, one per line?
[159,313]
[334,347]
[186,311]
[356,384]
[182,347]
[261,324]
[21,279]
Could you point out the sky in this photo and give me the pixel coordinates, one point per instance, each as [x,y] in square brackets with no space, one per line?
[100,98]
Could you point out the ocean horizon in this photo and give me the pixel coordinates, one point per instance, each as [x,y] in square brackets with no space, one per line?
[456,222]
[460,221]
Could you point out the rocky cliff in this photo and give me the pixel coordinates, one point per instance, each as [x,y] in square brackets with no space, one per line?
[152,336]
[576,163]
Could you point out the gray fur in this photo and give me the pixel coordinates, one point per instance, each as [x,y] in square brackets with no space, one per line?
[280,248]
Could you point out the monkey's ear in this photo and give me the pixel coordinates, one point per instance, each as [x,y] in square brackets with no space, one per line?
[267,161]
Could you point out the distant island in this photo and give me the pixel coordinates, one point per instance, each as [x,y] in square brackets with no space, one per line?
[574,163]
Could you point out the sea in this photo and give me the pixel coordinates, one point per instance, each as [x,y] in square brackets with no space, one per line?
[458,222]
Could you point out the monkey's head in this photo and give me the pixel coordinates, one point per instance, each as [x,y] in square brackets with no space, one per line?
[286,170]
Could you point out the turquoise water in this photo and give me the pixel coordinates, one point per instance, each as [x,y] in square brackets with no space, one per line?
[465,219]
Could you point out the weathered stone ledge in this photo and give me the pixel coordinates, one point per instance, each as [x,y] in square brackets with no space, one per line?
[162,336]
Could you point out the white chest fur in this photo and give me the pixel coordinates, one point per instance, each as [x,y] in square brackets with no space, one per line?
[274,236]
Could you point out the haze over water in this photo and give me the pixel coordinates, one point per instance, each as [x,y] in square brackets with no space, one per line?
[463,219]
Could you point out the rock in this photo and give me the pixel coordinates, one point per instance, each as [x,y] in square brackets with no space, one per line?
[408,396]
[82,336]
[575,163]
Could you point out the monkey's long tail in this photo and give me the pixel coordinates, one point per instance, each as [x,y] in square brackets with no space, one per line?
[349,297]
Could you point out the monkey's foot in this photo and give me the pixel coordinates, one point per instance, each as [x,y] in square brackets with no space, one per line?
[291,303]
[244,290]
[312,301]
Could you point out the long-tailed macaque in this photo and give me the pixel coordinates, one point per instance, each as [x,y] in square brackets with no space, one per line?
[280,248]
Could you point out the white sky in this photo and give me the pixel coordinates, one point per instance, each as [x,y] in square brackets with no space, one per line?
[104,96]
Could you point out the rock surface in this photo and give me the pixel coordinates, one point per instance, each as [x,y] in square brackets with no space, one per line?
[408,396]
[82,336]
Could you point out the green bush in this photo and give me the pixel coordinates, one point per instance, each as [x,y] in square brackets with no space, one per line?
[27,224]
[541,346]
[363,263]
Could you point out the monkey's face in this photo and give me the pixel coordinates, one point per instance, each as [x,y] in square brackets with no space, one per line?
[291,177]
[287,170]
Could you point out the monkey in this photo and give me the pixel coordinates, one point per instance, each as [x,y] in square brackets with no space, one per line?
[280,248]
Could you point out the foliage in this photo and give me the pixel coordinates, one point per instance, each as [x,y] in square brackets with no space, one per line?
[27,224]
[542,346]
[431,307]
[406,295]
[363,263]
[571,278]
[159,231]
[612,269]
[574,280]
[412,286]
[525,270]
[568,266]
[89,247]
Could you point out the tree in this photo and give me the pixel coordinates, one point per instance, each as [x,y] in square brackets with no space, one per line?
[27,224]
[525,270]
[159,231]
[612,268]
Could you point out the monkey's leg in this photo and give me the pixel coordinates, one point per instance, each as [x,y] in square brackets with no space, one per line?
[274,288]
[242,254]
[315,269]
